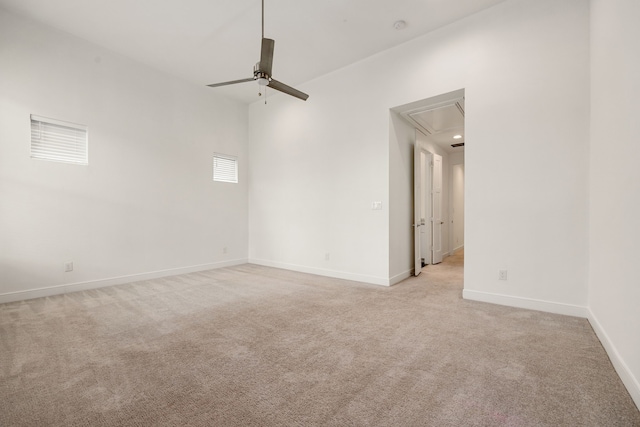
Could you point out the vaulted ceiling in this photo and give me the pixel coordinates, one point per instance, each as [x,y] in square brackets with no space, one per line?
[209,41]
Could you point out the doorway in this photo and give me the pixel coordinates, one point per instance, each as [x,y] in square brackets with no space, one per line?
[438,177]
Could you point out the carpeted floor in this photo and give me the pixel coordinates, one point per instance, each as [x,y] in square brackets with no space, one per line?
[256,346]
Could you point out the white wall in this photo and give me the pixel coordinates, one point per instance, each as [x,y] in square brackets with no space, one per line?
[526,157]
[317,166]
[315,170]
[614,291]
[145,203]
[402,139]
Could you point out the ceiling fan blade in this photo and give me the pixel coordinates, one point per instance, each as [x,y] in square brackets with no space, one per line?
[266,56]
[250,79]
[274,84]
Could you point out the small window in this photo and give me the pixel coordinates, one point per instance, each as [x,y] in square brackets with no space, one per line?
[58,141]
[225,168]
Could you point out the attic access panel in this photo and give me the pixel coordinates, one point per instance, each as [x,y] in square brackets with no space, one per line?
[440,119]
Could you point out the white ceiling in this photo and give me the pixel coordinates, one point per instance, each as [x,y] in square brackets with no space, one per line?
[211,41]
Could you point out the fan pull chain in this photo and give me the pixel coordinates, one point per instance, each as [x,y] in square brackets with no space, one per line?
[265,93]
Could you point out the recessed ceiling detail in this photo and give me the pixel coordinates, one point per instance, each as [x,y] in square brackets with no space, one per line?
[441,118]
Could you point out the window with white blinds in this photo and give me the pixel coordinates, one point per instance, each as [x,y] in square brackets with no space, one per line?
[225,168]
[58,141]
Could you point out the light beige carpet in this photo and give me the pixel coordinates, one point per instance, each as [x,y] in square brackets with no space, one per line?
[256,346]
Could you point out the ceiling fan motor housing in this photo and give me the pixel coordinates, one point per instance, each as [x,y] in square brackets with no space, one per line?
[262,77]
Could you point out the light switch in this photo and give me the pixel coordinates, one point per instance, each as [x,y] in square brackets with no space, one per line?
[376,206]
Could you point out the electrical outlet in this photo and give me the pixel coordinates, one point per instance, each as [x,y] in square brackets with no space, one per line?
[68,266]
[327,256]
[224,250]
[502,274]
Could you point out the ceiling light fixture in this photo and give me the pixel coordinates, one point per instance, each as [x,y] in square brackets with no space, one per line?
[400,25]
[457,136]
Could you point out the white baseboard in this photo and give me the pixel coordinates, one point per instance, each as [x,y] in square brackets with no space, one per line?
[400,277]
[373,280]
[457,249]
[631,383]
[101,283]
[528,303]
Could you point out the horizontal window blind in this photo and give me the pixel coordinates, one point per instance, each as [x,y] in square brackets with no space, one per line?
[58,141]
[225,168]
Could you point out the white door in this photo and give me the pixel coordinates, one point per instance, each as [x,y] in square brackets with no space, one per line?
[422,161]
[418,219]
[425,207]
[436,209]
[457,208]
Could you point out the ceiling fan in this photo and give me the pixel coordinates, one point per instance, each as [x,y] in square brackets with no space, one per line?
[262,70]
